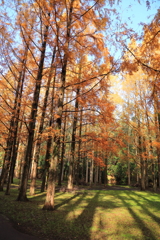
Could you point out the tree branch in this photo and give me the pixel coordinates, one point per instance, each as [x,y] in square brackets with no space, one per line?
[139,61]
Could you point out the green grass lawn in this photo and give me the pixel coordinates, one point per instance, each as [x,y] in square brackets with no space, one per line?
[87,214]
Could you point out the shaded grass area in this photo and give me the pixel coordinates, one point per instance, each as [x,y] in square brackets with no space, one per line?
[87,215]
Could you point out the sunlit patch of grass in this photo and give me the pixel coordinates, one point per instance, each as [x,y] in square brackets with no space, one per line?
[87,215]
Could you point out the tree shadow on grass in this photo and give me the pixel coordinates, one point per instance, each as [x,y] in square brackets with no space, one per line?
[74,216]
[78,224]
[69,199]
[61,226]
[149,213]
[38,197]
[147,233]
[155,204]
[84,221]
[78,219]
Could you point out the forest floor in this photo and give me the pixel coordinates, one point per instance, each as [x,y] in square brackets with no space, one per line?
[88,213]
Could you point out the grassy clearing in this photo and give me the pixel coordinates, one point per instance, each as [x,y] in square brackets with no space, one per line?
[94,215]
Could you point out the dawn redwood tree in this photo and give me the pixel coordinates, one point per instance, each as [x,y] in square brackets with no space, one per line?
[63,148]
[38,142]
[77,27]
[28,158]
[145,59]
[73,143]
[149,60]
[77,174]
[74,128]
[49,137]
[49,202]
[16,121]
[11,149]
[74,24]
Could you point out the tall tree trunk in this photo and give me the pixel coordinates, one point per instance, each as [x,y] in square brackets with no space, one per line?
[15,141]
[87,170]
[105,169]
[10,152]
[145,161]
[96,174]
[143,185]
[158,150]
[79,148]
[153,167]
[99,176]
[49,202]
[46,165]
[7,156]
[49,140]
[91,170]
[38,142]
[28,158]
[63,151]
[16,150]
[73,144]
[129,168]
[157,131]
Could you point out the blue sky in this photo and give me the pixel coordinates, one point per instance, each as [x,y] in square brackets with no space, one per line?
[133,12]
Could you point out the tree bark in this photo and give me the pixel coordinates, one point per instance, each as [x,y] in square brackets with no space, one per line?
[38,142]
[105,170]
[10,153]
[91,171]
[62,152]
[49,202]
[49,140]
[15,133]
[28,158]
[79,149]
[73,144]
[143,185]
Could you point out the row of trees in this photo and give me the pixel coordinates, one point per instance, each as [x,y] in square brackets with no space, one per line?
[141,110]
[58,117]
[54,90]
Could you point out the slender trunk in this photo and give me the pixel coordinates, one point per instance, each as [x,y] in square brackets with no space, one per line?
[47,159]
[143,186]
[49,140]
[8,152]
[49,202]
[105,170]
[6,161]
[157,127]
[15,141]
[129,170]
[96,174]
[12,136]
[87,170]
[145,162]
[38,142]
[16,151]
[73,144]
[28,158]
[91,170]
[158,148]
[140,148]
[157,135]
[63,151]
[153,167]
[79,149]
[99,176]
